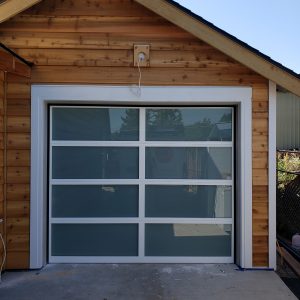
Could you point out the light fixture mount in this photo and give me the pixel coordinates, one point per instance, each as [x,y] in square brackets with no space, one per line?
[141,55]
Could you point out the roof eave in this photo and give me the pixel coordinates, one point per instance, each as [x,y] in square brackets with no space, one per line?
[10,8]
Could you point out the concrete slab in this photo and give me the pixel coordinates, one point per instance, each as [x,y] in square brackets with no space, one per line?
[143,281]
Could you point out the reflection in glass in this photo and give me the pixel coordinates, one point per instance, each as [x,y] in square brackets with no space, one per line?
[188,240]
[88,201]
[188,163]
[95,124]
[95,162]
[94,240]
[189,124]
[188,201]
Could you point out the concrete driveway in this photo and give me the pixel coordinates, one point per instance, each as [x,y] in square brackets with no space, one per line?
[143,281]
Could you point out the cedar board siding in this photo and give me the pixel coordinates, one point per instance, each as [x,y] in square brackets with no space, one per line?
[18,171]
[15,168]
[2,203]
[91,42]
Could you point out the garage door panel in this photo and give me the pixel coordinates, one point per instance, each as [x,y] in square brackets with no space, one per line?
[188,163]
[95,201]
[189,124]
[188,240]
[94,240]
[95,162]
[141,184]
[95,124]
[188,201]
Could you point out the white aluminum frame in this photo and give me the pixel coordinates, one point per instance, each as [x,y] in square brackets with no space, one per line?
[141,182]
[272,175]
[123,95]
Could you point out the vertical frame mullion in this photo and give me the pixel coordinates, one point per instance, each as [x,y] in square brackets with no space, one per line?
[50,186]
[142,156]
[233,138]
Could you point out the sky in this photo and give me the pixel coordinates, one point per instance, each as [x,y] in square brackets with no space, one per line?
[270,26]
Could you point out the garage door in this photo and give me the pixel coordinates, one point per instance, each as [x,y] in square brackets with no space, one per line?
[143,184]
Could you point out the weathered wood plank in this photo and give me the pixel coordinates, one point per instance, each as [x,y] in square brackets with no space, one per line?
[260,160]
[18,192]
[18,141]
[292,262]
[260,259]
[17,260]
[17,242]
[261,242]
[260,106]
[1,194]
[260,143]
[1,210]
[9,63]
[89,24]
[260,125]
[260,210]
[151,76]
[1,81]
[18,174]
[18,89]
[119,58]
[40,40]
[260,227]
[89,8]
[18,158]
[260,177]
[18,124]
[17,226]
[18,209]
[260,193]
[1,159]
[18,107]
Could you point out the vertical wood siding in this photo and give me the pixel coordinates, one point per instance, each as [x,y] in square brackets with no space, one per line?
[91,42]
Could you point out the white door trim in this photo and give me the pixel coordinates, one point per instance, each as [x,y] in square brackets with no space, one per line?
[42,95]
[272,175]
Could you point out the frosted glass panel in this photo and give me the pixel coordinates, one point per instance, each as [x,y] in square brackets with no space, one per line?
[94,240]
[188,240]
[95,124]
[188,163]
[95,162]
[188,201]
[84,201]
[189,124]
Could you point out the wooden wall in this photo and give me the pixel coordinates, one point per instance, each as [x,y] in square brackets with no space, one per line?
[2,203]
[14,168]
[91,42]
[18,171]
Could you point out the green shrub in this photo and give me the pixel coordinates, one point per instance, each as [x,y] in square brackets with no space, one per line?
[287,162]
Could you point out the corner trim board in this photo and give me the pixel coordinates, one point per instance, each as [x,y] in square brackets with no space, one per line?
[272,175]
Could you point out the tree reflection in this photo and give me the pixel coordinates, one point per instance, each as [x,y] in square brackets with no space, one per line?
[129,128]
[164,124]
